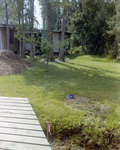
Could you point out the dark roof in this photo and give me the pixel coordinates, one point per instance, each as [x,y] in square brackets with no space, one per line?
[4,26]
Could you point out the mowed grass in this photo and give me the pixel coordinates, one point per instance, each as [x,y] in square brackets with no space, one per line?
[95,79]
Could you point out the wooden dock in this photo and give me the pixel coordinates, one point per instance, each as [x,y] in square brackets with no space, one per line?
[19,127]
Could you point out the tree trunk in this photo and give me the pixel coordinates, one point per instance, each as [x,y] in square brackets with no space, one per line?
[32,26]
[23,43]
[82,43]
[58,18]
[18,15]
[7,25]
[61,55]
[44,9]
[50,29]
[82,5]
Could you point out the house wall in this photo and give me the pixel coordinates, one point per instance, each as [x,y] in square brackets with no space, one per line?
[56,39]
[4,38]
[28,47]
[1,43]
[13,45]
[17,45]
[13,42]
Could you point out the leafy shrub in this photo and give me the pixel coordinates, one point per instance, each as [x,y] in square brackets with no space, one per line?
[77,50]
[112,54]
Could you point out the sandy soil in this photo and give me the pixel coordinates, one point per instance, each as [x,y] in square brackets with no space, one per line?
[11,63]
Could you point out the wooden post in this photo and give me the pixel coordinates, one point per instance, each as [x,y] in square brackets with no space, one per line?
[47,132]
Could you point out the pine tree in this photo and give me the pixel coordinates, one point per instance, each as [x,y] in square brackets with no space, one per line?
[7,25]
[32,27]
[91,25]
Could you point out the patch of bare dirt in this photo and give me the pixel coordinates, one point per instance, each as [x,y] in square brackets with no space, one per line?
[64,145]
[84,143]
[87,104]
[11,63]
[82,102]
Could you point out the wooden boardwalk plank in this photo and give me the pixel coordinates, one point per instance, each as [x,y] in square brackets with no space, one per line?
[17,111]
[16,108]
[19,120]
[23,139]
[24,132]
[19,127]
[15,104]
[14,101]
[13,98]
[23,116]
[5,145]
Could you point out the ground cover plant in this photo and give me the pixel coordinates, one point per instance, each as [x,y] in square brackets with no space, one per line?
[92,118]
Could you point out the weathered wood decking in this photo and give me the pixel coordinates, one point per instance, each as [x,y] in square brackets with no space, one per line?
[19,127]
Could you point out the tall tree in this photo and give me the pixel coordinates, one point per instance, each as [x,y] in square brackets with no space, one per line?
[91,24]
[65,6]
[58,16]
[7,25]
[114,24]
[23,42]
[2,12]
[44,16]
[117,24]
[32,27]
[50,28]
[17,11]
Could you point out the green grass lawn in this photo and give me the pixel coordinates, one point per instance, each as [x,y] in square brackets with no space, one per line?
[95,83]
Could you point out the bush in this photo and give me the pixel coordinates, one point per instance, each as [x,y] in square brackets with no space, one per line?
[77,50]
[112,54]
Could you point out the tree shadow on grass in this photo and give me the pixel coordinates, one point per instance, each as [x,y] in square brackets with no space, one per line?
[105,61]
[103,71]
[72,56]
[63,79]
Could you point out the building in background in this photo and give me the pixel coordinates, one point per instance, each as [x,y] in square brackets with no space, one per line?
[13,42]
